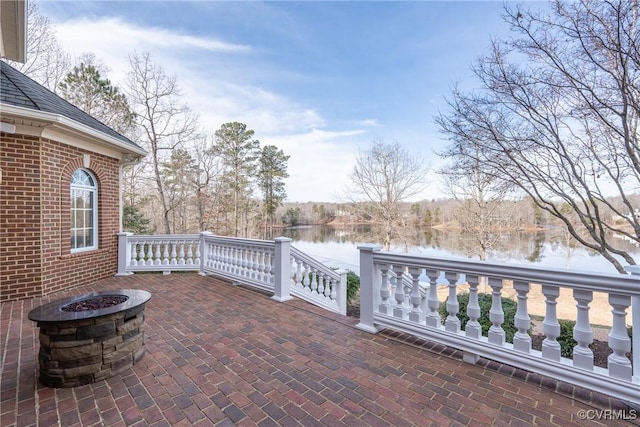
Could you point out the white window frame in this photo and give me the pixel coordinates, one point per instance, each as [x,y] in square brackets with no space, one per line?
[88,188]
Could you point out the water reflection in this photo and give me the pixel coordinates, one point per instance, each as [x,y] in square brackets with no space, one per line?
[554,248]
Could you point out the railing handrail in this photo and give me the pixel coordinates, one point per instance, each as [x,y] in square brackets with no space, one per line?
[238,241]
[163,237]
[592,281]
[332,273]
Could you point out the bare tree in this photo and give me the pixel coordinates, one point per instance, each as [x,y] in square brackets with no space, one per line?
[382,178]
[557,116]
[165,122]
[206,175]
[46,61]
[479,197]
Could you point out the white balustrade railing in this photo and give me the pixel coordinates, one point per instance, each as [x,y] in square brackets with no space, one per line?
[245,261]
[271,265]
[158,253]
[385,303]
[312,280]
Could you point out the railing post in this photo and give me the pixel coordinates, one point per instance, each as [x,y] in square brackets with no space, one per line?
[282,269]
[634,270]
[342,292]
[124,253]
[204,252]
[367,277]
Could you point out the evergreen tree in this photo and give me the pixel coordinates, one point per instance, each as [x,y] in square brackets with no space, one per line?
[88,90]
[272,172]
[238,153]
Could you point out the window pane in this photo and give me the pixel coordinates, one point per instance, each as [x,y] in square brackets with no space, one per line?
[86,219]
[88,237]
[83,204]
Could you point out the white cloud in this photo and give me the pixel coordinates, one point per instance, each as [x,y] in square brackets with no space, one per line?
[321,159]
[126,36]
[369,123]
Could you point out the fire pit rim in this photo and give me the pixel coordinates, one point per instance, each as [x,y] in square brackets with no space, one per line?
[52,312]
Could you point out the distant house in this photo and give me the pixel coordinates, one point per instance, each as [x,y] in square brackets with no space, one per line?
[60,205]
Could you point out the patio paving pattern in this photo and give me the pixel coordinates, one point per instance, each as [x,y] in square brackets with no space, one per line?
[224,355]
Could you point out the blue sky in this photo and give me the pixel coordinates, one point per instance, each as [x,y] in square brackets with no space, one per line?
[321,80]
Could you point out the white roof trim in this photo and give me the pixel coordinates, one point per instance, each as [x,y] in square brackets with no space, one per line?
[13,29]
[64,122]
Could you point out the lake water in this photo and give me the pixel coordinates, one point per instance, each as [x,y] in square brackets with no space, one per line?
[550,248]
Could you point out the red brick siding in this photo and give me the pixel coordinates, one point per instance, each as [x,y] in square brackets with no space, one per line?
[58,269]
[20,252]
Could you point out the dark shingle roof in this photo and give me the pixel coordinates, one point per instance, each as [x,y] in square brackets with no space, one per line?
[21,91]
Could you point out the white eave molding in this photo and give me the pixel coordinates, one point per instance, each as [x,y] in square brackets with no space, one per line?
[68,125]
[13,29]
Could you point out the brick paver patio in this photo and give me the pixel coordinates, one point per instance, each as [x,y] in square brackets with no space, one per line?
[224,355]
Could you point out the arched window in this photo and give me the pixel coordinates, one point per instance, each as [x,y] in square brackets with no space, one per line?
[84,211]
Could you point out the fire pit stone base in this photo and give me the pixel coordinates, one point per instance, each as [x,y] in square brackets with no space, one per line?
[90,348]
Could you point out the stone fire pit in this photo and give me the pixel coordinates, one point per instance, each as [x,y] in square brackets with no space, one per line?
[90,337]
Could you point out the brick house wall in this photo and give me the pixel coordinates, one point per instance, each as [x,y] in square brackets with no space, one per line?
[35,244]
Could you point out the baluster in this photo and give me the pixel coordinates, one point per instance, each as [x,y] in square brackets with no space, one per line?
[314,280]
[522,321]
[235,268]
[385,289]
[244,263]
[181,253]
[196,259]
[333,294]
[209,255]
[406,282]
[496,314]
[258,264]
[189,253]
[550,326]
[416,314]
[157,255]
[619,341]
[268,267]
[307,280]
[231,260]
[321,283]
[257,254]
[149,253]
[164,258]
[433,317]
[292,269]
[253,262]
[452,323]
[174,253]
[399,310]
[134,253]
[582,331]
[214,250]
[225,259]
[473,328]
[298,272]
[216,254]
[246,266]
[221,263]
[240,262]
